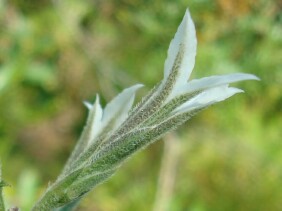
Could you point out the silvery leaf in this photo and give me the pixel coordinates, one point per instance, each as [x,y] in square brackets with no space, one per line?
[208,97]
[213,81]
[120,105]
[184,42]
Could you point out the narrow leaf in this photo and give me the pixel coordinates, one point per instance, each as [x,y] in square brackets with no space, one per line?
[208,97]
[213,81]
[89,132]
[94,122]
[185,38]
[119,107]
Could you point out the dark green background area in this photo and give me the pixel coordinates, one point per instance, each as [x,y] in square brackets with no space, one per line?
[56,54]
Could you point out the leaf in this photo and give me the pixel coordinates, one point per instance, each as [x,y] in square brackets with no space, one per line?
[184,38]
[119,107]
[116,112]
[213,81]
[89,132]
[208,97]
[94,121]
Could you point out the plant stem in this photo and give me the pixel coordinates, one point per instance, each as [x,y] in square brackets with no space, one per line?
[2,205]
[167,172]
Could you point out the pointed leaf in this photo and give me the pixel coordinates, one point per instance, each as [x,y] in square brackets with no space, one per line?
[207,98]
[119,107]
[89,132]
[114,114]
[213,81]
[184,40]
[95,120]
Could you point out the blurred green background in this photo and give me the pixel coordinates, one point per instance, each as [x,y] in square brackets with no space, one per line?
[56,54]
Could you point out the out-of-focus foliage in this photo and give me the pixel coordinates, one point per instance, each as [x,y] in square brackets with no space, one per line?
[55,54]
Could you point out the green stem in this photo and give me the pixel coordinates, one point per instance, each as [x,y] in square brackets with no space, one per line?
[2,205]
[2,184]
